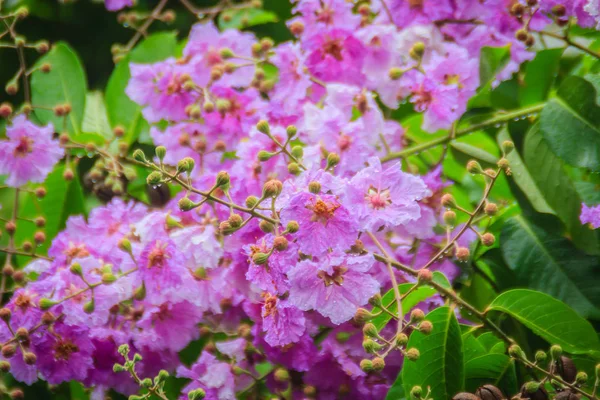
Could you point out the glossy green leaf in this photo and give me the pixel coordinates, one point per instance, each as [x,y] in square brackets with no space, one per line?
[244,18]
[95,119]
[539,76]
[396,392]
[440,365]
[559,191]
[493,60]
[545,261]
[495,369]
[550,319]
[64,84]
[522,177]
[465,151]
[571,124]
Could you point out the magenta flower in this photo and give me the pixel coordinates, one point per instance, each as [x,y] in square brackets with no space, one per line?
[384,197]
[116,5]
[324,222]
[590,215]
[162,268]
[282,322]
[65,354]
[214,376]
[159,88]
[322,14]
[271,275]
[335,286]
[29,154]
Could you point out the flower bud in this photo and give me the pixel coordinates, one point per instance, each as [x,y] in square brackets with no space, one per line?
[540,356]
[297,28]
[333,159]
[503,164]
[417,315]
[48,318]
[108,278]
[4,366]
[581,378]
[29,358]
[450,218]
[370,330]
[507,147]
[462,254]
[515,351]
[416,392]
[5,110]
[378,364]
[125,245]
[292,227]
[222,180]
[531,387]
[185,204]
[154,178]
[186,165]
[425,327]
[417,50]
[251,201]
[263,127]
[555,352]
[196,394]
[260,258]
[366,365]
[490,209]
[235,220]
[40,192]
[488,239]
[413,354]
[401,339]
[314,187]
[8,270]
[298,151]
[291,131]
[45,303]
[8,350]
[68,175]
[395,73]
[266,226]
[361,316]
[473,167]
[138,155]
[522,35]
[489,392]
[293,168]
[22,334]
[559,10]
[5,314]
[208,106]
[272,188]
[280,243]
[264,155]
[89,307]
[448,201]
[76,269]
[281,375]
[424,276]
[370,346]
[161,152]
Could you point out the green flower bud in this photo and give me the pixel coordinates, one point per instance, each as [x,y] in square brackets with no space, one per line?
[581,378]
[556,351]
[197,394]
[251,201]
[266,226]
[450,218]
[314,187]
[185,204]
[298,151]
[76,269]
[540,356]
[260,258]
[378,364]
[263,127]
[264,155]
[118,368]
[417,50]
[291,131]
[507,147]
[161,152]
[532,387]
[292,227]
[515,351]
[89,307]
[366,365]
[416,392]
[154,178]
[333,159]
[108,278]
[139,155]
[395,73]
[222,180]
[293,168]
[227,53]
[147,382]
[473,167]
[123,350]
[370,330]
[46,303]
[401,339]
[413,354]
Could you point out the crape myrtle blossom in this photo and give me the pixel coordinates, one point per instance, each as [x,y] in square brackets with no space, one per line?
[284,286]
[116,5]
[29,152]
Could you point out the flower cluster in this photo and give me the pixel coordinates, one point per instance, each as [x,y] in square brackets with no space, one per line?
[271,261]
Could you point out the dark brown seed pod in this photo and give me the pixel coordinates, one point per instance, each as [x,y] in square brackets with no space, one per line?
[565,367]
[567,395]
[465,396]
[159,195]
[489,392]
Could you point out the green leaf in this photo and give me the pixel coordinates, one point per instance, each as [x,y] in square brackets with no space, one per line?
[522,177]
[396,392]
[244,18]
[62,200]
[545,261]
[555,184]
[440,365]
[64,84]
[539,76]
[492,61]
[471,347]
[571,124]
[122,111]
[550,319]
[466,152]
[495,369]
[418,295]
[95,119]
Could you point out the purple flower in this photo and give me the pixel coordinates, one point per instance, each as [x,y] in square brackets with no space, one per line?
[162,268]
[29,154]
[321,14]
[116,5]
[324,222]
[384,197]
[282,322]
[64,354]
[159,87]
[271,275]
[335,286]
[590,215]
[214,376]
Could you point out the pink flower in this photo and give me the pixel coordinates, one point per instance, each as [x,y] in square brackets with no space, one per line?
[590,215]
[335,286]
[324,222]
[214,376]
[159,88]
[322,14]
[162,268]
[116,5]
[271,275]
[282,322]
[29,154]
[384,197]
[335,55]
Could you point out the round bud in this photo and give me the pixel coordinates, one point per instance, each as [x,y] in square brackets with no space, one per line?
[40,222]
[401,339]
[29,358]
[222,180]
[235,220]
[473,167]
[395,73]
[297,28]
[531,387]
[448,201]
[16,394]
[361,316]
[291,131]
[8,270]
[292,227]
[185,204]
[293,168]
[225,228]
[413,354]
[18,276]
[272,188]
[40,192]
[378,364]
[581,378]
[27,246]
[264,155]
[280,243]
[4,366]
[450,218]
[161,152]
[5,110]
[298,151]
[333,159]
[12,88]
[366,365]
[251,201]
[10,227]
[39,237]
[154,178]
[8,350]
[208,106]
[507,147]
[196,394]
[417,315]
[490,209]
[281,375]
[515,351]
[488,239]
[425,327]
[517,9]
[370,330]
[522,35]
[503,163]
[260,258]
[5,314]
[540,356]
[314,187]
[462,254]
[68,175]
[22,334]
[76,269]
[220,146]
[555,352]
[263,127]
[424,276]
[559,10]
[138,155]
[417,50]
[266,226]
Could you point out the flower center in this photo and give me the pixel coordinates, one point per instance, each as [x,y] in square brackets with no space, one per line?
[270,305]
[175,84]
[322,211]
[378,199]
[24,147]
[336,278]
[334,48]
[325,15]
[422,98]
[75,251]
[344,142]
[157,257]
[23,301]
[453,79]
[415,3]
[63,349]
[213,57]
